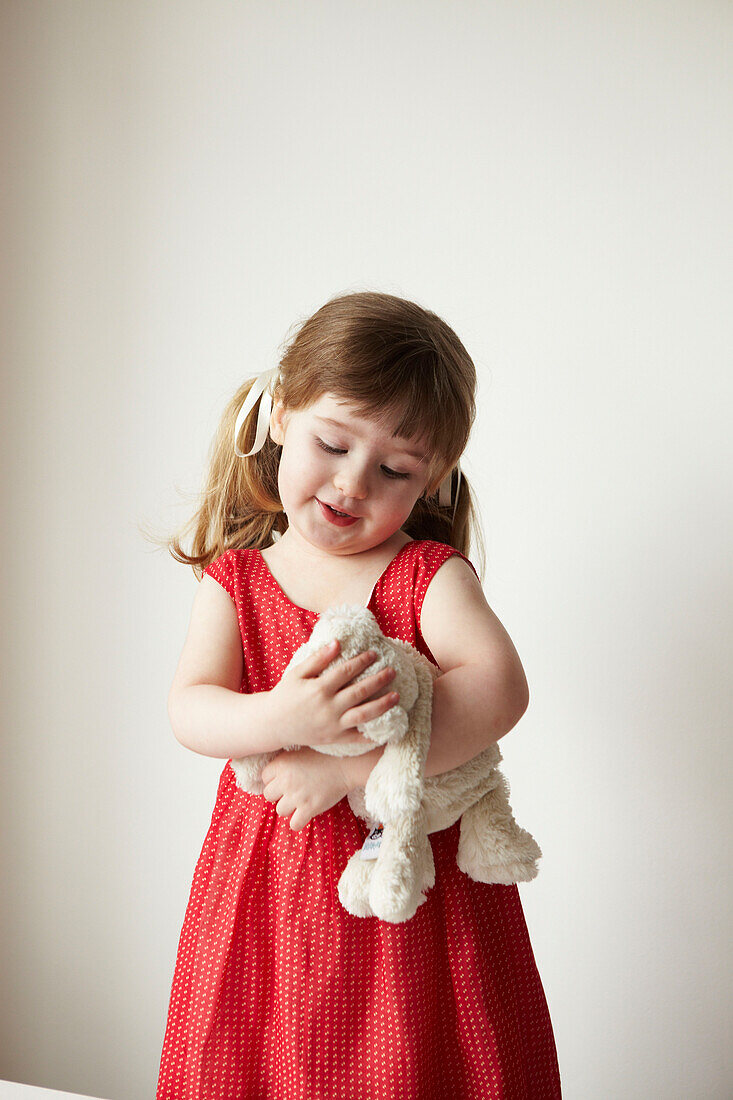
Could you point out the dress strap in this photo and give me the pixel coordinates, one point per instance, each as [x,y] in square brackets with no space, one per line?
[430,561]
[224,570]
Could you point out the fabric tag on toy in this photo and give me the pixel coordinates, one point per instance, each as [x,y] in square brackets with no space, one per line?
[370,847]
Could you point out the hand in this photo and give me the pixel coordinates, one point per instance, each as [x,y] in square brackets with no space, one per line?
[304,783]
[315,709]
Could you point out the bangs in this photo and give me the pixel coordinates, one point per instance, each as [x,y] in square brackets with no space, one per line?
[408,412]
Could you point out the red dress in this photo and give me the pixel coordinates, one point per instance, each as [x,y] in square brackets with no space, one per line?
[279,993]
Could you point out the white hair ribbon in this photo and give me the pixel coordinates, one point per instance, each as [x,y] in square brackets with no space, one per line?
[261,387]
[445,495]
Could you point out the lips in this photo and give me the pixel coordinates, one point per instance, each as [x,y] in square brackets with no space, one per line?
[331,515]
[339,510]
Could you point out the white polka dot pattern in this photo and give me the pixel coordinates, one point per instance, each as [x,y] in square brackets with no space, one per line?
[280,994]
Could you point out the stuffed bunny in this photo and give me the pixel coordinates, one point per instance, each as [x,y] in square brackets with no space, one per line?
[388,876]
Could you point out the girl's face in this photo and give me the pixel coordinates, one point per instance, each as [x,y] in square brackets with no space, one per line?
[332,456]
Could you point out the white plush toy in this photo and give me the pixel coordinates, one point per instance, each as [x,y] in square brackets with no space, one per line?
[386,878]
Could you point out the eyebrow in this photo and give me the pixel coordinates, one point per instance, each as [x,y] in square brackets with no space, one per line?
[340,424]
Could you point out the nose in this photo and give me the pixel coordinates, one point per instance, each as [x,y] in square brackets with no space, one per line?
[351,481]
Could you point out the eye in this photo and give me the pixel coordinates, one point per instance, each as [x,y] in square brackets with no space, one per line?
[340,451]
[331,450]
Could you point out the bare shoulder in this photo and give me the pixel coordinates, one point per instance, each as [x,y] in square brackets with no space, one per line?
[460,628]
[212,652]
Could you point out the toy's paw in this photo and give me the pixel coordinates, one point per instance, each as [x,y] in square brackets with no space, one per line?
[387,909]
[353,886]
[497,874]
[488,856]
[403,870]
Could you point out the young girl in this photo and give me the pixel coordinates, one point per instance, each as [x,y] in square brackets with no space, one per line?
[355,497]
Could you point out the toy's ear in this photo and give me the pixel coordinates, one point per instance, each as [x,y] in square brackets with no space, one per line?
[346,619]
[351,611]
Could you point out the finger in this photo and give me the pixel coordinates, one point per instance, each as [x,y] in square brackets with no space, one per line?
[357,716]
[345,671]
[353,694]
[271,792]
[316,662]
[353,737]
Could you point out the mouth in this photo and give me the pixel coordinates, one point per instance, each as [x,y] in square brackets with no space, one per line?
[341,519]
[336,510]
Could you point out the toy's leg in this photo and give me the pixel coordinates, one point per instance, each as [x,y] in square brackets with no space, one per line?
[404,864]
[353,886]
[492,847]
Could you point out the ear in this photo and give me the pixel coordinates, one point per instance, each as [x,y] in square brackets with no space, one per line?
[278,422]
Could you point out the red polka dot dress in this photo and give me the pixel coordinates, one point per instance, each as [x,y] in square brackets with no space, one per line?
[280,994]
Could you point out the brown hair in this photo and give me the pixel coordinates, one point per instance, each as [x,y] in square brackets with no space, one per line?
[381,353]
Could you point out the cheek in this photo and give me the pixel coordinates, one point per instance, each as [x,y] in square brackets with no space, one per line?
[312,468]
[410,496]
[302,474]
[399,505]
[409,491]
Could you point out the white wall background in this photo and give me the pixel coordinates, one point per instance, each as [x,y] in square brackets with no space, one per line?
[186,180]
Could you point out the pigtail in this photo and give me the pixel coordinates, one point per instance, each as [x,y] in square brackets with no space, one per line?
[239,506]
[456,524]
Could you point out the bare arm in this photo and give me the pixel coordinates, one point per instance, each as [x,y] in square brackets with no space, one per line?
[470,712]
[207,711]
[483,691]
[216,721]
[467,717]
